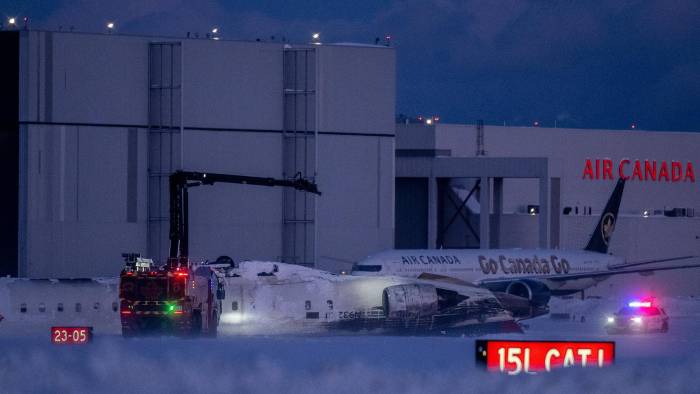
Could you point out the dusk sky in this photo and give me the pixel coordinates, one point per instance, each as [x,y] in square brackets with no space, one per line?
[583,64]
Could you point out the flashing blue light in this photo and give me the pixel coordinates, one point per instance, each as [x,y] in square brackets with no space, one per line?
[640,304]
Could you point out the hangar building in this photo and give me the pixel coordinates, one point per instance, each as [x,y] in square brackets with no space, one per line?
[547,189]
[93,124]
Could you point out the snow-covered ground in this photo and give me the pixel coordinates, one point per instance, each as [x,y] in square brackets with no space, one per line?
[650,363]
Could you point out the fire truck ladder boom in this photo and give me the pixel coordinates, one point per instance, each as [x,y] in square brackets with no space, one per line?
[181,181]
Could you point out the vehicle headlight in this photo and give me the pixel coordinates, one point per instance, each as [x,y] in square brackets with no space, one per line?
[232,318]
[636,319]
[611,319]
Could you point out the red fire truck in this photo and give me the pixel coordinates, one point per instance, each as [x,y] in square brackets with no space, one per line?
[181,297]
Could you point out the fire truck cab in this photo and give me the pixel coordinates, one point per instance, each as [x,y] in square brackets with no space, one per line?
[181,297]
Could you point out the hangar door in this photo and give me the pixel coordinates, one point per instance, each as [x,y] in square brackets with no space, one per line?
[411,213]
[9,152]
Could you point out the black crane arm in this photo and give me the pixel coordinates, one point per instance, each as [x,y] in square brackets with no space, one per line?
[180,181]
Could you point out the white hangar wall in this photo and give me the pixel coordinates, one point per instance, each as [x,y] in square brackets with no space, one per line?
[94,170]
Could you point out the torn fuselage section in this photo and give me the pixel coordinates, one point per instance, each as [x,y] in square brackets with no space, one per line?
[301,298]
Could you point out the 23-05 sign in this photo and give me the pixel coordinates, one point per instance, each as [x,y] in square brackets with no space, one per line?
[516,357]
[71,335]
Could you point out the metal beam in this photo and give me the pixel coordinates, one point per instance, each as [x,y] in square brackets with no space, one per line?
[544,213]
[432,212]
[485,214]
[497,212]
[458,210]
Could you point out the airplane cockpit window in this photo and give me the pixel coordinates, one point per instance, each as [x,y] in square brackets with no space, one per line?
[367,268]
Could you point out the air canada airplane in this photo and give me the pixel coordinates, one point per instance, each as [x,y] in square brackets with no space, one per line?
[535,274]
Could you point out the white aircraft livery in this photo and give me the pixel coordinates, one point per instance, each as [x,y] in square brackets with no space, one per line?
[535,274]
[276,298]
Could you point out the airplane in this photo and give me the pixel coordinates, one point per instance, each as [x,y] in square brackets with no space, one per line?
[278,298]
[535,274]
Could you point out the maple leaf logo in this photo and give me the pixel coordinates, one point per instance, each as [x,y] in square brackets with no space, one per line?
[608,226]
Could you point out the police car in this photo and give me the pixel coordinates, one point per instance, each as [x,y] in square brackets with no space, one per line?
[638,317]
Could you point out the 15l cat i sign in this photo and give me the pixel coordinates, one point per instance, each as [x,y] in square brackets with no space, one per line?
[517,357]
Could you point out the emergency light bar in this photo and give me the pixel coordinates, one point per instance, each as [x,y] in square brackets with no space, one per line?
[640,304]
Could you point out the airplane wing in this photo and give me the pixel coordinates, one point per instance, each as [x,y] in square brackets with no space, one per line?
[446,279]
[645,262]
[583,275]
[621,272]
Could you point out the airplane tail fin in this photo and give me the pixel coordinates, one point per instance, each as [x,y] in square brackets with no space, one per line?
[601,236]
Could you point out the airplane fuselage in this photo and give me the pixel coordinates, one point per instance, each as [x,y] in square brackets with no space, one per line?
[267,297]
[479,266]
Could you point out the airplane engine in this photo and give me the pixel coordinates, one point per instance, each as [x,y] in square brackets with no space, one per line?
[536,292]
[410,301]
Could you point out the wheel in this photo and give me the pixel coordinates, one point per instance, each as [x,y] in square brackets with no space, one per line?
[213,325]
[129,328]
[196,328]
[128,332]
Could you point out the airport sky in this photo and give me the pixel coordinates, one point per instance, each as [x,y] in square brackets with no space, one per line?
[581,64]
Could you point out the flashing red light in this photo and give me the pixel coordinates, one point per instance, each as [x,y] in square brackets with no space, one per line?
[125,312]
[178,312]
[181,274]
[129,273]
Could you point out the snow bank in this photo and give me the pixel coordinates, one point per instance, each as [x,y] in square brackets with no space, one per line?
[309,365]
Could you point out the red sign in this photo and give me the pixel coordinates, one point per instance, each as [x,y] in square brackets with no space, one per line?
[71,335]
[516,357]
[639,170]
